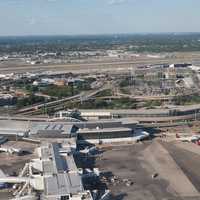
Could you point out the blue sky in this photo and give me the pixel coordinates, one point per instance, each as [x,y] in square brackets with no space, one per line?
[61,17]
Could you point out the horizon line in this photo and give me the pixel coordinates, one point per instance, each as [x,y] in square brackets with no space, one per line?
[100,34]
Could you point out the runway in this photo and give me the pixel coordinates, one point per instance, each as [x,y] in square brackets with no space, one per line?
[88,67]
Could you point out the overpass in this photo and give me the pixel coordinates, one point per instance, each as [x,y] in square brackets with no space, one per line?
[83,96]
[175,111]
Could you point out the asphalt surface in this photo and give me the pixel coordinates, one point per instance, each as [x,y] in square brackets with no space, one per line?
[129,162]
[136,163]
[118,65]
[189,162]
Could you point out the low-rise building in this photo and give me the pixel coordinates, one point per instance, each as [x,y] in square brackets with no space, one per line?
[3,140]
[7,100]
[104,133]
[52,130]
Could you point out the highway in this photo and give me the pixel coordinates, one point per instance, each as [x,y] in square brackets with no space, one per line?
[150,123]
[48,104]
[148,113]
[144,98]
[83,96]
[24,118]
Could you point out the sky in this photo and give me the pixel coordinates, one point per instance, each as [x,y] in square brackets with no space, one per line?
[75,17]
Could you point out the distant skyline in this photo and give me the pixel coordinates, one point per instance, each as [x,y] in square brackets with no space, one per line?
[86,17]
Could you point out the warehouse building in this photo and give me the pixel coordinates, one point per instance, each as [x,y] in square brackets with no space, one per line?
[62,179]
[52,130]
[84,130]
[7,100]
[105,133]
[52,176]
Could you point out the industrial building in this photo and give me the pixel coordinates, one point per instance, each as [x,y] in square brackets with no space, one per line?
[3,140]
[119,132]
[7,100]
[52,130]
[53,174]
[104,129]
[13,129]
[57,176]
[62,179]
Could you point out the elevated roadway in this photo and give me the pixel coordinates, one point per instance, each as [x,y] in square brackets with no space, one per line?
[159,115]
[23,123]
[146,113]
[47,104]
[155,97]
[83,96]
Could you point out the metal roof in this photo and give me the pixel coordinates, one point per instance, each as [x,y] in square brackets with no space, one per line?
[50,128]
[61,175]
[105,130]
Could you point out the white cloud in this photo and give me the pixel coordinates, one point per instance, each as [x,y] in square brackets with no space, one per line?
[115,2]
[32,21]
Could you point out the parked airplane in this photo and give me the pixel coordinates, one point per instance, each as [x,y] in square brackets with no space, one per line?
[140,135]
[92,151]
[193,138]
[12,150]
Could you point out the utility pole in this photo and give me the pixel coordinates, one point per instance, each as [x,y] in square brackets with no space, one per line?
[133,76]
[81,98]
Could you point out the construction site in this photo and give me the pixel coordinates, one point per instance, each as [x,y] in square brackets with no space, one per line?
[99,125]
[102,136]
[115,159]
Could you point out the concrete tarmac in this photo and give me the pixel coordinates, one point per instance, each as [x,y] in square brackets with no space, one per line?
[138,162]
